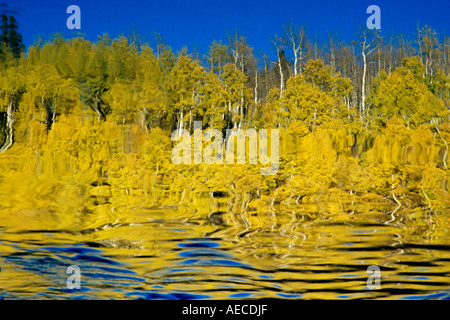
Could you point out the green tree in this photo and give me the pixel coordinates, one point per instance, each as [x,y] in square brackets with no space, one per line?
[215,101]
[10,39]
[404,93]
[305,102]
[185,85]
[11,90]
[238,95]
[218,56]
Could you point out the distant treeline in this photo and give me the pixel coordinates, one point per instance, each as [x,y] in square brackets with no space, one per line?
[371,117]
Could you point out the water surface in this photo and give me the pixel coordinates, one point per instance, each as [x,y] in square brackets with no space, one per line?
[180,252]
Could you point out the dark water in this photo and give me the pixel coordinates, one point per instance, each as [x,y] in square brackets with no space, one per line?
[171,252]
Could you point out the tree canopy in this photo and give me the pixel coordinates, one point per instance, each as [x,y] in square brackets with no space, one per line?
[105,111]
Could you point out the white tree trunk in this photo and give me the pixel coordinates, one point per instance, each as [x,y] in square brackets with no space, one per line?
[180,125]
[295,60]
[281,75]
[301,62]
[256,87]
[9,126]
[363,84]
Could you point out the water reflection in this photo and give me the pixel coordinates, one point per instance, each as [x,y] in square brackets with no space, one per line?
[176,253]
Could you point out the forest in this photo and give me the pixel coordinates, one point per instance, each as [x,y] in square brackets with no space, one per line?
[366,121]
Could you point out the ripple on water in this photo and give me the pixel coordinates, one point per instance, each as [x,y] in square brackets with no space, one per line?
[50,264]
[204,253]
[166,296]
[317,259]
[199,244]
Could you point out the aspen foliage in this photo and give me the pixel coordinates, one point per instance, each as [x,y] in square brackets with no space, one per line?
[97,118]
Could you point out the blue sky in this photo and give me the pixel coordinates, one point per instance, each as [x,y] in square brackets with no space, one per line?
[196,23]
